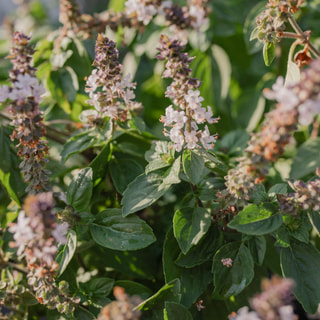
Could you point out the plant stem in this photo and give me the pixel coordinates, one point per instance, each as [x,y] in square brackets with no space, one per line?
[305,36]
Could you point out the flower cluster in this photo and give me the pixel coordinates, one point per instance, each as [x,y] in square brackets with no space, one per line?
[274,303]
[305,198]
[23,98]
[271,22]
[296,103]
[122,308]
[109,92]
[36,236]
[36,233]
[227,262]
[183,120]
[142,10]
[137,14]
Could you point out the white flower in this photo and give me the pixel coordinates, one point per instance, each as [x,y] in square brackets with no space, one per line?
[60,232]
[94,100]
[244,314]
[22,232]
[38,91]
[112,112]
[194,99]
[4,93]
[282,94]
[143,11]
[206,139]
[177,138]
[92,81]
[175,117]
[198,15]
[286,313]
[88,115]
[25,81]
[191,139]
[308,110]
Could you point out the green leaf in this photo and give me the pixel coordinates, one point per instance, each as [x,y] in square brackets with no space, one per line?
[124,169]
[301,262]
[251,30]
[279,188]
[175,311]
[147,189]
[190,225]
[257,246]
[134,288]
[282,237]
[269,52]
[10,176]
[232,280]
[65,255]
[203,251]
[211,161]
[129,263]
[193,281]
[213,64]
[161,155]
[315,219]
[112,230]
[194,166]
[300,228]
[99,164]
[160,149]
[234,142]
[293,73]
[155,304]
[307,159]
[97,287]
[256,220]
[80,190]
[83,314]
[79,143]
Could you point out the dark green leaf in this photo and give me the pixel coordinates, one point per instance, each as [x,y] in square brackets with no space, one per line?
[146,189]
[79,143]
[300,228]
[112,230]
[257,246]
[211,161]
[83,314]
[279,188]
[315,219]
[124,169]
[193,280]
[175,311]
[234,142]
[269,52]
[251,30]
[80,190]
[156,303]
[100,163]
[96,287]
[190,225]
[301,262]
[202,252]
[65,255]
[232,280]
[194,166]
[257,220]
[282,237]
[307,159]
[134,288]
